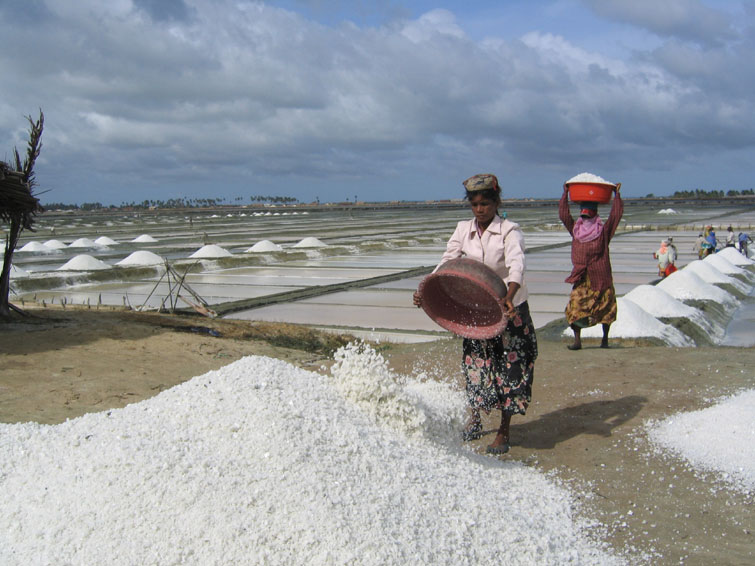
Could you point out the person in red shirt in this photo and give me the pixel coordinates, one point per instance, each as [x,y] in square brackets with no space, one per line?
[593,298]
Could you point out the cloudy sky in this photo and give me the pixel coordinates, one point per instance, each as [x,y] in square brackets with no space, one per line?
[377,100]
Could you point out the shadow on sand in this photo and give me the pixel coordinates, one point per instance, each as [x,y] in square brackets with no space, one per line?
[596,417]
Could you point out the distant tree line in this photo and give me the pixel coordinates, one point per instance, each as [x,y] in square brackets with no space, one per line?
[699,193]
[170,203]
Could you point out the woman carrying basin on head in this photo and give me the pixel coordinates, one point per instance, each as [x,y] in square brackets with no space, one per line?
[498,371]
[593,299]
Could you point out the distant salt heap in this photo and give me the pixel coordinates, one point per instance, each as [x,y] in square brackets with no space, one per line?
[310,243]
[55,244]
[668,211]
[142,257]
[210,251]
[36,247]
[83,262]
[144,239]
[82,243]
[265,246]
[105,241]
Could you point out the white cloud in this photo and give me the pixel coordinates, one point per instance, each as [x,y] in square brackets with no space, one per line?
[263,96]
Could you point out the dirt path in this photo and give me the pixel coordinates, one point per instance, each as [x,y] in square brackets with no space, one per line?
[584,426]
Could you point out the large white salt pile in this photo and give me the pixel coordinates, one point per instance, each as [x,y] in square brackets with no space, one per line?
[310,242]
[667,211]
[144,239]
[686,285]
[83,262]
[210,251]
[55,244]
[82,243]
[633,322]
[142,257]
[659,304]
[730,422]
[710,274]
[735,257]
[264,246]
[105,241]
[212,471]
[35,247]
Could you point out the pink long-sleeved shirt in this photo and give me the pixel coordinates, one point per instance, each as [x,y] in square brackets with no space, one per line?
[501,247]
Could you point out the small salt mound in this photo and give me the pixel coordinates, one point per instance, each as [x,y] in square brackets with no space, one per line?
[55,244]
[633,322]
[708,273]
[686,285]
[668,211]
[265,246]
[734,257]
[17,272]
[36,247]
[310,243]
[141,257]
[731,424]
[82,243]
[210,251]
[83,262]
[588,178]
[105,241]
[144,239]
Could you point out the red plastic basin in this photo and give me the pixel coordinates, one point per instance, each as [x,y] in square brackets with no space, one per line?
[465,297]
[590,192]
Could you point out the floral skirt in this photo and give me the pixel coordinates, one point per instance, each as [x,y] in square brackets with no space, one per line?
[499,371]
[588,307]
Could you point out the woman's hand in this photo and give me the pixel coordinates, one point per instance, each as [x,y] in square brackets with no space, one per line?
[417,299]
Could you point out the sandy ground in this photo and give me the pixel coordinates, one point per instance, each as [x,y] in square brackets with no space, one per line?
[584,426]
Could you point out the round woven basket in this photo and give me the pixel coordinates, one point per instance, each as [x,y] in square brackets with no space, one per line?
[465,297]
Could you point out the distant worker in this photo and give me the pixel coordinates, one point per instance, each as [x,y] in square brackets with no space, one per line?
[731,239]
[710,243]
[698,247]
[744,240]
[666,259]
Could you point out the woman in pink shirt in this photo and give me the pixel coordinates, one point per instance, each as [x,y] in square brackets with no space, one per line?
[498,371]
